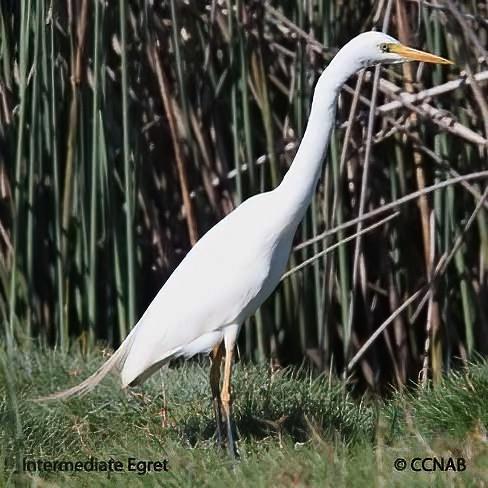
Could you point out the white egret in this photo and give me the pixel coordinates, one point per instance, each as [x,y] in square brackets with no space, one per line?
[238,263]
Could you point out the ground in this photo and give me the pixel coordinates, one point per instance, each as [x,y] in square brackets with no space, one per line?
[296,429]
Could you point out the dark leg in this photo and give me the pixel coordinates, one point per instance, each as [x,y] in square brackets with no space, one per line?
[216,357]
[227,402]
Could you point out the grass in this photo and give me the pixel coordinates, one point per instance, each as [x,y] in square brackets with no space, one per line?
[296,428]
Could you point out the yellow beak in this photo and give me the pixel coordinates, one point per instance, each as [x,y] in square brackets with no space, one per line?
[416,55]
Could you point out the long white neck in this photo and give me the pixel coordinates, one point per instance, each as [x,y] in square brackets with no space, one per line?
[298,185]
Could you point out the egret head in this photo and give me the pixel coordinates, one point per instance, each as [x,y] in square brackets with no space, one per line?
[372,48]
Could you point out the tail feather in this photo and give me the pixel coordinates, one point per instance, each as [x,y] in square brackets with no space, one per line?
[115,361]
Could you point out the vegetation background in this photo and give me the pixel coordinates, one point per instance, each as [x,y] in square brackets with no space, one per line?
[128,130]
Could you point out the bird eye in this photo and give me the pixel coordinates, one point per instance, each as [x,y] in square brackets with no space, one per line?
[384,48]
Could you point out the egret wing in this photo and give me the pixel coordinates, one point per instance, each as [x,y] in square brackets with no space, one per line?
[221,281]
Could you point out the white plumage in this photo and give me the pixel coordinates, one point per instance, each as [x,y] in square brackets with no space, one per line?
[241,275]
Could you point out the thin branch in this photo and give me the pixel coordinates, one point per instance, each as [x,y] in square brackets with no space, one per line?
[430,92]
[169,106]
[338,244]
[382,327]
[394,205]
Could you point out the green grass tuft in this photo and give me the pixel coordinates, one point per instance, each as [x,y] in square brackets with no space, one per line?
[296,428]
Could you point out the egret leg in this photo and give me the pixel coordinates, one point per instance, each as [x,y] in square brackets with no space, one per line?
[216,357]
[227,400]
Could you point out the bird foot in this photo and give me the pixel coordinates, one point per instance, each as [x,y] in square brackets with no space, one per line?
[231,439]
[226,437]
